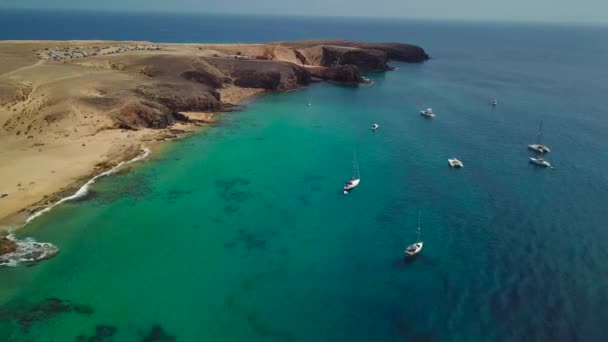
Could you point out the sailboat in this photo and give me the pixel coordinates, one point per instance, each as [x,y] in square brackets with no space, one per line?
[538,160]
[309,103]
[354,181]
[416,247]
[538,147]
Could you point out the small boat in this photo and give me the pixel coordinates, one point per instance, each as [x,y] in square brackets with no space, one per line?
[308,104]
[375,127]
[354,181]
[428,113]
[538,160]
[539,147]
[494,102]
[455,163]
[416,247]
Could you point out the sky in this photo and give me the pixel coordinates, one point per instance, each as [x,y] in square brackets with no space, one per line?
[582,11]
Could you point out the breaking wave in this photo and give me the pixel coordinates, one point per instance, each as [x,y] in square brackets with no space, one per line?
[84,190]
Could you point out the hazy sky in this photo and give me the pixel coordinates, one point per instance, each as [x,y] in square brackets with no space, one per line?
[510,10]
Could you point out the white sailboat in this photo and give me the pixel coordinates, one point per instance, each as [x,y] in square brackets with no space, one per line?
[428,113]
[455,163]
[354,181]
[416,247]
[538,160]
[539,147]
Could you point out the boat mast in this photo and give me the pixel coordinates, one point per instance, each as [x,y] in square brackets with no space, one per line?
[540,132]
[419,228]
[355,166]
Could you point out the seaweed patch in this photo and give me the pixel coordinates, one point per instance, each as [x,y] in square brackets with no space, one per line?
[48,309]
[103,333]
[157,334]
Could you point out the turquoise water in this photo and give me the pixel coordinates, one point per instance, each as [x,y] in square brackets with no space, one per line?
[241,232]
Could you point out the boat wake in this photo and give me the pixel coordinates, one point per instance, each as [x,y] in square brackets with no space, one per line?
[84,190]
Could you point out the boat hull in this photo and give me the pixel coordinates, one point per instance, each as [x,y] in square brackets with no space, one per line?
[413,249]
[540,162]
[353,183]
[455,163]
[539,148]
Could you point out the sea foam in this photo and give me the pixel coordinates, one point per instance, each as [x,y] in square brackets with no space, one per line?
[84,190]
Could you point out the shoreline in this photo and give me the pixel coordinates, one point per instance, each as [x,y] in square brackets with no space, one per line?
[72,111]
[78,188]
[147,145]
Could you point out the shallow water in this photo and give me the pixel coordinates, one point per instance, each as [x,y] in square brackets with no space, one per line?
[241,232]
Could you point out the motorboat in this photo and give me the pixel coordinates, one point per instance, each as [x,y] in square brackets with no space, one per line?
[375,127]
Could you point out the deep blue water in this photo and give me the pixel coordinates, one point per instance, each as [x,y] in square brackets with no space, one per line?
[241,233]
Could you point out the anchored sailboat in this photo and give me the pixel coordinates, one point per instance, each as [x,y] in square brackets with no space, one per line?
[539,147]
[416,247]
[354,181]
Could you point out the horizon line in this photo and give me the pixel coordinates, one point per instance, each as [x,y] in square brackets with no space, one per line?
[429,19]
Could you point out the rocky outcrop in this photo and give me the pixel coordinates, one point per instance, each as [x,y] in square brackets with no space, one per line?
[395,51]
[269,75]
[7,245]
[13,251]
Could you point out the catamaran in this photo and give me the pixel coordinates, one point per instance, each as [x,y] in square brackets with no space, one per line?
[416,247]
[354,181]
[455,163]
[538,147]
[428,113]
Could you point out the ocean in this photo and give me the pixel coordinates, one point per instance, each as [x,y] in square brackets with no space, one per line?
[241,232]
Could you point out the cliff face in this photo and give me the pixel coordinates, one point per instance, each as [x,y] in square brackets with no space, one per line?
[348,74]
[331,56]
[269,75]
[366,56]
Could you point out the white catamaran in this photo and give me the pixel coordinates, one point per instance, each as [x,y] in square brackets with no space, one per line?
[416,247]
[354,181]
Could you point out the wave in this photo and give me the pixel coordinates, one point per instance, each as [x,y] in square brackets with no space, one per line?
[84,190]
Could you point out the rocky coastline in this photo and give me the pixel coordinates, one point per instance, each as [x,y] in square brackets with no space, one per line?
[97,109]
